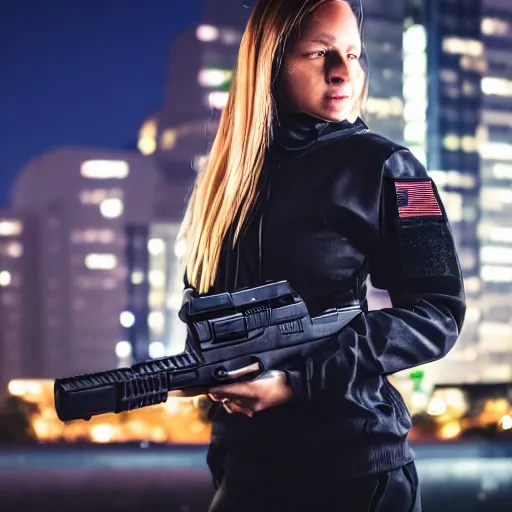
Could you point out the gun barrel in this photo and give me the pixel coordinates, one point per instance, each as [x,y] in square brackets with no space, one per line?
[115,391]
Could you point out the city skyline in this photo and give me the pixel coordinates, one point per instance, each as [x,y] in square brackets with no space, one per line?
[474,109]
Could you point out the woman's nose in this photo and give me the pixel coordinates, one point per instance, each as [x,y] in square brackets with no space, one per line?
[337,70]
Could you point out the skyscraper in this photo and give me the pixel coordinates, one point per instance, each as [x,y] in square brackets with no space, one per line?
[469,155]
[495,227]
[74,206]
[455,58]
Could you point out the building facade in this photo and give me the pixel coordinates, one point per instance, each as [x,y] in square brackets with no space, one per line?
[495,226]
[80,203]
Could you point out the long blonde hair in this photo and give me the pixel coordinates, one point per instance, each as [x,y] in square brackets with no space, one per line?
[227,186]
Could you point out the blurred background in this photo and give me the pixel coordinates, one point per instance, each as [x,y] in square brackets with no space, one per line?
[106,112]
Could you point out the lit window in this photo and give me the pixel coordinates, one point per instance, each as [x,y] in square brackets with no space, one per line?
[383,108]
[496,151]
[111,208]
[415,39]
[449,76]
[156,246]
[168,139]
[498,234]
[473,284]
[496,86]
[86,236]
[495,329]
[495,27]
[96,196]
[494,199]
[218,99]
[156,299]
[156,350]
[502,171]
[214,77]
[157,278]
[453,179]
[137,277]
[207,33]
[105,169]
[496,274]
[146,145]
[156,322]
[495,254]
[451,142]
[496,117]
[123,349]
[473,64]
[415,64]
[12,250]
[460,180]
[468,89]
[415,131]
[127,319]
[463,46]
[10,228]
[101,261]
[5,278]
[469,144]
[147,137]
[415,87]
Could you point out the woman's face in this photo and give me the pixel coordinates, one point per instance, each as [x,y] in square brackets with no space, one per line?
[322,75]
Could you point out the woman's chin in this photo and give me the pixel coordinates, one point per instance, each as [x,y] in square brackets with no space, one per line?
[336,115]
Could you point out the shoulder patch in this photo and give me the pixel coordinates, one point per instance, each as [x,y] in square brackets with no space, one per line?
[416,198]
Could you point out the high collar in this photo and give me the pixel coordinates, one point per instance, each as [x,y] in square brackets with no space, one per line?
[299,131]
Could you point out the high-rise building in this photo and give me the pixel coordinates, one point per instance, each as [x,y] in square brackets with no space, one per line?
[79,203]
[495,227]
[469,156]
[455,65]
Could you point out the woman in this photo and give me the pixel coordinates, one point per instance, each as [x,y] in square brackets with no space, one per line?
[297,188]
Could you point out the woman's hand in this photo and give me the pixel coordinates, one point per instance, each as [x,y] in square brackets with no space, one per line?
[264,392]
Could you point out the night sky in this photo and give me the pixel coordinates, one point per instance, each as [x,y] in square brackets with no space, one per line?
[81,72]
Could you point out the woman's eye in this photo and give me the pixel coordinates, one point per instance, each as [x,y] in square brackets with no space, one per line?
[319,53]
[353,56]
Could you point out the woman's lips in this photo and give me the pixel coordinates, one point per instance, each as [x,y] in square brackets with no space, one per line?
[337,98]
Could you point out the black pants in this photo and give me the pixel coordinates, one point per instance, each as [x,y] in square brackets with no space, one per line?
[392,491]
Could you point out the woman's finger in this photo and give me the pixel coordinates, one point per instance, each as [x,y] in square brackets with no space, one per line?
[236,406]
[237,390]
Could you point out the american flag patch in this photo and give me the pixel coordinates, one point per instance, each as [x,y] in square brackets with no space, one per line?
[416,199]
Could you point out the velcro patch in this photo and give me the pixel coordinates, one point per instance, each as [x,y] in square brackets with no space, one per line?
[416,198]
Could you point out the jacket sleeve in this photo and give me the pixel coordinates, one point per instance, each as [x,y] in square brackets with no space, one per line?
[415,260]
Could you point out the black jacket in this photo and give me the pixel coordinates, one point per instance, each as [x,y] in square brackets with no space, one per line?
[338,204]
